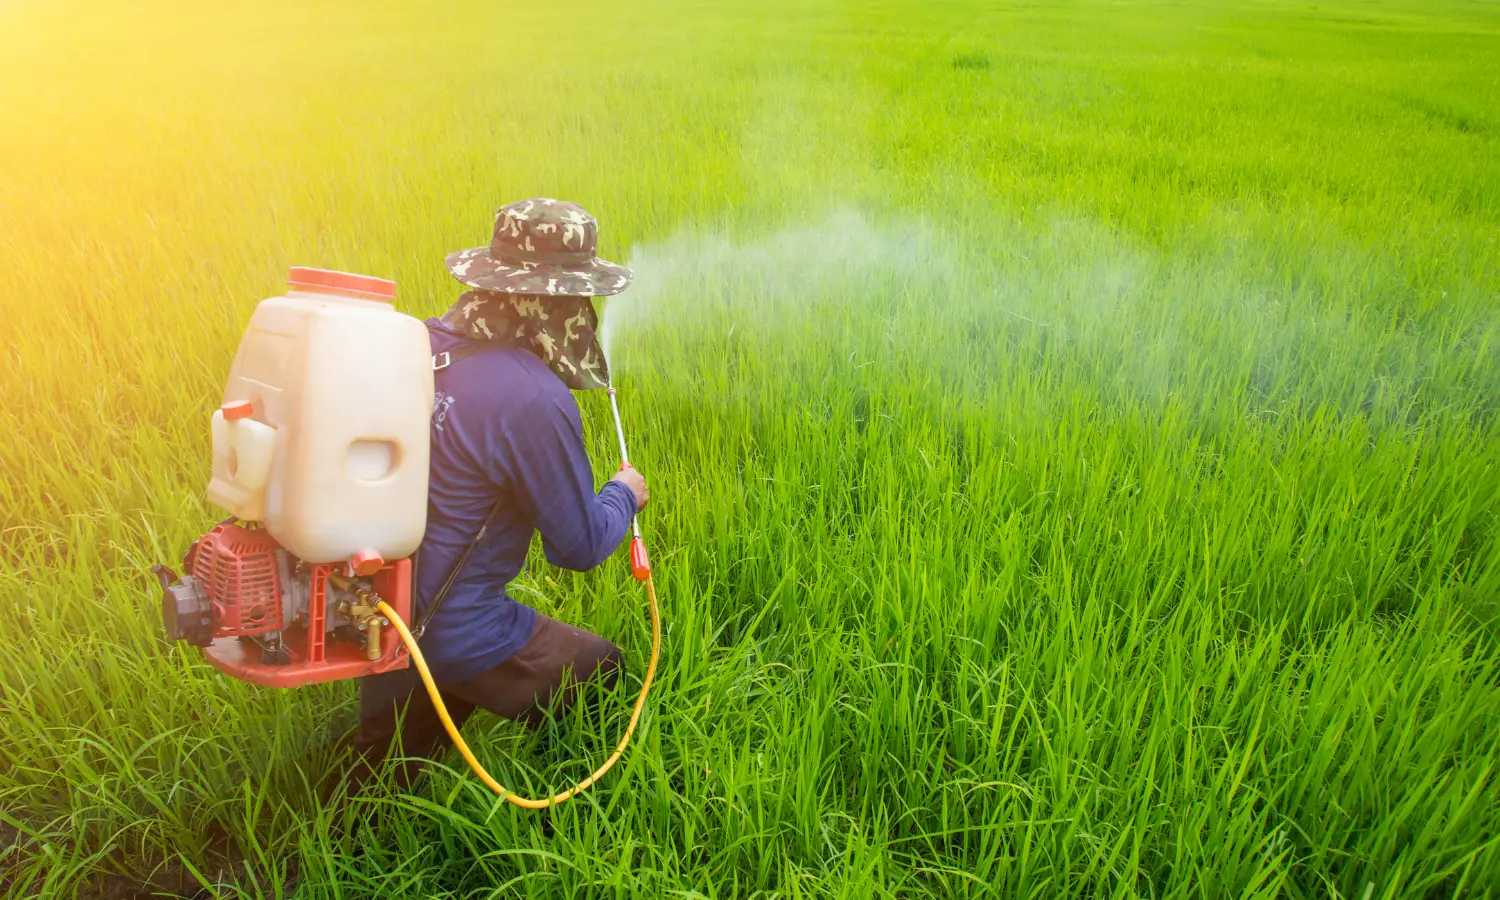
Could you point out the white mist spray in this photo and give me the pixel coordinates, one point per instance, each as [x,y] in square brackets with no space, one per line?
[791,266]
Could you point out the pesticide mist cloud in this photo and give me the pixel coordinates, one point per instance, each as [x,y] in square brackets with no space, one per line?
[977,299]
[893,289]
[680,279]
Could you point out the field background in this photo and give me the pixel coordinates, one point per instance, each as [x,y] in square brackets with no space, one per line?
[1072,431]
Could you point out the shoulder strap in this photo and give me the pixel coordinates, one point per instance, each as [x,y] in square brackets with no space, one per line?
[442,361]
[453,573]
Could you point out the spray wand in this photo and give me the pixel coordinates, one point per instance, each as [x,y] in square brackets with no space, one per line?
[640,567]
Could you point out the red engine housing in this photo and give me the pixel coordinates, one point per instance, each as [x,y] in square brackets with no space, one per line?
[316,658]
[263,616]
[238,569]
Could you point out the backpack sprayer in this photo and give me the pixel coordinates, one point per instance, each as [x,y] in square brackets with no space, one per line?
[320,455]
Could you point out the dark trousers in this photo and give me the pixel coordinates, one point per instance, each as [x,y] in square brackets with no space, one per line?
[396,716]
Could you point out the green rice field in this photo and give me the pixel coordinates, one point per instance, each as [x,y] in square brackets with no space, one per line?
[1073,429]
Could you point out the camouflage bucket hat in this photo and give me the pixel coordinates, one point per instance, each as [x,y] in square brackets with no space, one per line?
[541,246]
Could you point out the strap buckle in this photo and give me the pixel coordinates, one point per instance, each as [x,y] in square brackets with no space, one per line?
[442,361]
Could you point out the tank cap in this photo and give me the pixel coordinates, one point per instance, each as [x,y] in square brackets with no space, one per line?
[343,282]
[237,409]
[365,562]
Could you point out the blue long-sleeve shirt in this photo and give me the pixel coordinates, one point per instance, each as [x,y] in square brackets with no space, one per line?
[504,428]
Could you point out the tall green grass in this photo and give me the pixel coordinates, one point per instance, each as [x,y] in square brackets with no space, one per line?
[1072,430]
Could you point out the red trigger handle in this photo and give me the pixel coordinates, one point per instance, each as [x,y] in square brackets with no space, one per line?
[640,566]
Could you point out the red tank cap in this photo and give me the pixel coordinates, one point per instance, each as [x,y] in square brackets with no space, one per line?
[366,562]
[237,409]
[343,282]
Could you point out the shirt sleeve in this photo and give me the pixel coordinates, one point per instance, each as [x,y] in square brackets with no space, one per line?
[554,485]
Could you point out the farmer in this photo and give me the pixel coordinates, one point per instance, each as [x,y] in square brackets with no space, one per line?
[507,458]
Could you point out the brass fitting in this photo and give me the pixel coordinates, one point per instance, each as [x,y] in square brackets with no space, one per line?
[372,638]
[365,613]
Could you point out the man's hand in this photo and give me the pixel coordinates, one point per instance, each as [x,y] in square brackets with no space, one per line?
[633,480]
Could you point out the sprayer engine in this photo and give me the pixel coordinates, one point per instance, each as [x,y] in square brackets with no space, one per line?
[265,616]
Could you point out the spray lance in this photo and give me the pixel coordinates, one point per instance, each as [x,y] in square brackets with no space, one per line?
[640,567]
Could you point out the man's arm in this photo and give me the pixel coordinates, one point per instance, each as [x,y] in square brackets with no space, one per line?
[554,485]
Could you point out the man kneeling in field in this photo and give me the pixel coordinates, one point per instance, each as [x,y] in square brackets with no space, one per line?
[507,458]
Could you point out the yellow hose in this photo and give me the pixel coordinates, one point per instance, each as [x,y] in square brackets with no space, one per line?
[458,741]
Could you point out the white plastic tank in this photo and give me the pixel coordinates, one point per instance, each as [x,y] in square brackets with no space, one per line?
[323,435]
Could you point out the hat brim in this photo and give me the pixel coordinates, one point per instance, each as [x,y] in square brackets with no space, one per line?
[595,278]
